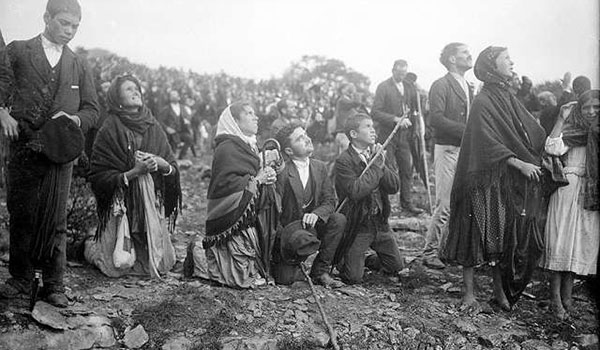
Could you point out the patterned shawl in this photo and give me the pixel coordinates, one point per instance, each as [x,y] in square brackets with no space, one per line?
[232,191]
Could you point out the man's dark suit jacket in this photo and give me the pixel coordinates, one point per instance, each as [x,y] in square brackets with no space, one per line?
[290,188]
[168,118]
[448,110]
[388,104]
[24,86]
[358,189]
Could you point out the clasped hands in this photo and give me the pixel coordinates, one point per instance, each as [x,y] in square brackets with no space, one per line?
[266,176]
[149,163]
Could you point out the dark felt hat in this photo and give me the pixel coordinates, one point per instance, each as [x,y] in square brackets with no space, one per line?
[296,243]
[61,140]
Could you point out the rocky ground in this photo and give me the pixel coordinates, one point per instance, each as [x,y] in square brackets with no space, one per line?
[417,310]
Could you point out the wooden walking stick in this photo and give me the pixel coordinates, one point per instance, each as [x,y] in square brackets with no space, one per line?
[372,160]
[327,324]
[421,135]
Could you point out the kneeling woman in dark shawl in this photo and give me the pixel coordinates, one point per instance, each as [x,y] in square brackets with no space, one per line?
[232,234]
[496,206]
[135,180]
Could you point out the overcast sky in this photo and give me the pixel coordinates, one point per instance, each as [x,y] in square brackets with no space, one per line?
[260,38]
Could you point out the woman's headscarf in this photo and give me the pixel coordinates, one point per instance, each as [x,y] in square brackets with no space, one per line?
[578,132]
[136,121]
[485,67]
[228,126]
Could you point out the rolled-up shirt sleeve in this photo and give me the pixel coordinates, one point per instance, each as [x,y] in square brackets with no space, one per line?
[555,146]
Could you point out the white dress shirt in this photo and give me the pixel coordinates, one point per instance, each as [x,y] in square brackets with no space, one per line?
[465,86]
[400,87]
[303,169]
[53,51]
[364,154]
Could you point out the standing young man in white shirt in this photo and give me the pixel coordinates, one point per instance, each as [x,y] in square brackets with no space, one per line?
[42,79]
[449,102]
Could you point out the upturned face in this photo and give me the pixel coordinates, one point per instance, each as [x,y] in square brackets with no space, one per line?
[300,144]
[248,121]
[61,28]
[365,134]
[463,58]
[504,65]
[131,96]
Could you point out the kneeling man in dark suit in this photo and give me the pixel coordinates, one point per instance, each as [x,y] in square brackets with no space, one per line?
[307,194]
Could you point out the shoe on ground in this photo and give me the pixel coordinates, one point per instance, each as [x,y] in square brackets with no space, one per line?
[57,299]
[329,282]
[434,263]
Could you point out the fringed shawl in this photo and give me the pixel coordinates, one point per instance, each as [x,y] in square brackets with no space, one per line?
[500,200]
[232,190]
[114,153]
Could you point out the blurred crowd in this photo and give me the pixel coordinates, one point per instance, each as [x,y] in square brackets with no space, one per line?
[204,96]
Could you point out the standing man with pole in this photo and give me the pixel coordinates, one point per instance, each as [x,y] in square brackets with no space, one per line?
[394,98]
[449,101]
[47,96]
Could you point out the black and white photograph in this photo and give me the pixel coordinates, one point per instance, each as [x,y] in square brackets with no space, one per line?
[298,175]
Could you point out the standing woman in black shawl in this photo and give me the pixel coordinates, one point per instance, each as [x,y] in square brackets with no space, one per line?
[232,241]
[134,176]
[573,222]
[496,209]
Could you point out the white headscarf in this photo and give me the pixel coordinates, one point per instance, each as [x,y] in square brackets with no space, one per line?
[228,126]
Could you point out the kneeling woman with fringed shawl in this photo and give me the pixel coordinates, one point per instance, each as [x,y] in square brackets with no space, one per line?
[135,180]
[496,207]
[573,222]
[232,241]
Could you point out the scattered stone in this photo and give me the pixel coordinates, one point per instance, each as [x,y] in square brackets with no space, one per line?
[560,345]
[179,343]
[587,339]
[49,315]
[239,343]
[411,332]
[465,326]
[534,344]
[301,316]
[135,338]
[103,296]
[446,286]
[320,339]
[22,341]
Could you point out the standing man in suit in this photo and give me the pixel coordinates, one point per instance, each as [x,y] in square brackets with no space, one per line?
[395,100]
[449,101]
[307,194]
[42,79]
[175,120]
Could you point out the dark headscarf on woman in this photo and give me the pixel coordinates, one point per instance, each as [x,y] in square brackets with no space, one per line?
[495,211]
[136,121]
[578,132]
[122,134]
